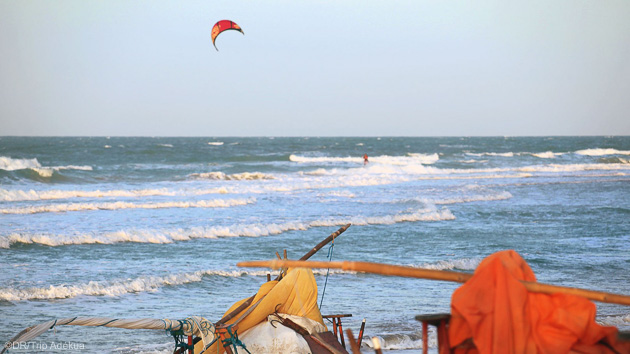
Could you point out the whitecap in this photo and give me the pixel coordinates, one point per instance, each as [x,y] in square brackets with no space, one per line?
[68,207]
[601,152]
[239,230]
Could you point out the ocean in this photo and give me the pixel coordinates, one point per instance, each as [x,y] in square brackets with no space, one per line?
[152,227]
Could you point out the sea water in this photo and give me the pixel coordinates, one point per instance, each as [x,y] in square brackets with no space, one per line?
[153,227]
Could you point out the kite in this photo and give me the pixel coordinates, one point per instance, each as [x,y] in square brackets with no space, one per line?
[222,26]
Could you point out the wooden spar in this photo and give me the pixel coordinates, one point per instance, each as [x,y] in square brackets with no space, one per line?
[354,346]
[365,267]
[360,339]
[308,255]
[325,242]
[459,277]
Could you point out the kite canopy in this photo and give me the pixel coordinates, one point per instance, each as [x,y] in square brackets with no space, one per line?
[221,27]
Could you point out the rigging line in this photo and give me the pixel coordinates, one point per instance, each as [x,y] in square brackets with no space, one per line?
[330,255]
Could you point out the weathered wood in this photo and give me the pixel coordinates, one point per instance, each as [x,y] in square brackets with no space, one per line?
[324,343]
[365,267]
[360,339]
[459,277]
[325,242]
[354,346]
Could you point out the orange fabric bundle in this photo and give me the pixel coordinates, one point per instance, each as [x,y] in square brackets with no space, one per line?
[501,316]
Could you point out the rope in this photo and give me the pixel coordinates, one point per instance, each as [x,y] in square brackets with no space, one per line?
[330,255]
[197,326]
[234,341]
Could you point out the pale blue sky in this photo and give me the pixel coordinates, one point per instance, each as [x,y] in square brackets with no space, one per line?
[315,68]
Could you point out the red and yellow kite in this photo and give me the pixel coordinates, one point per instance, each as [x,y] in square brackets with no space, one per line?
[222,26]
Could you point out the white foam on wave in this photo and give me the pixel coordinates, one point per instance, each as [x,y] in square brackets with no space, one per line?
[166,145]
[572,167]
[245,176]
[427,214]
[601,152]
[140,284]
[495,172]
[340,194]
[496,196]
[472,161]
[622,320]
[462,264]
[411,158]
[401,341]
[547,154]
[116,287]
[238,230]
[10,164]
[67,207]
[500,154]
[25,195]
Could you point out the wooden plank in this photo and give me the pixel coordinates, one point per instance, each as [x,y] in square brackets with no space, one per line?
[330,341]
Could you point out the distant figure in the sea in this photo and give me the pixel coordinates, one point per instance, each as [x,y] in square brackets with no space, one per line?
[365,159]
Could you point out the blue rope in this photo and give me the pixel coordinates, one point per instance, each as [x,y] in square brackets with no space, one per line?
[330,255]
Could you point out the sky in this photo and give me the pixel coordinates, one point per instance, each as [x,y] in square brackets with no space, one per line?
[315,68]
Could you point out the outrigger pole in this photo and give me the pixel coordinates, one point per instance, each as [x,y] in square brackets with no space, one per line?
[411,272]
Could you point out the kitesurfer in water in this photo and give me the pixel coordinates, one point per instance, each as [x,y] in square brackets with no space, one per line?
[365,159]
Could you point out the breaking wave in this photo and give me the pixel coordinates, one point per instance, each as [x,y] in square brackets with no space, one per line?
[239,230]
[501,154]
[125,286]
[320,179]
[601,152]
[490,197]
[109,288]
[461,264]
[245,176]
[547,154]
[411,158]
[26,195]
[572,167]
[67,207]
[10,164]
[616,321]
[401,341]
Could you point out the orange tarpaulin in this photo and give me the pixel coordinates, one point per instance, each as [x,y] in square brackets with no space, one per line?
[501,316]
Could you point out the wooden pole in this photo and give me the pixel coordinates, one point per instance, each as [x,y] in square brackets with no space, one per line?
[354,346]
[325,242]
[459,277]
[360,339]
